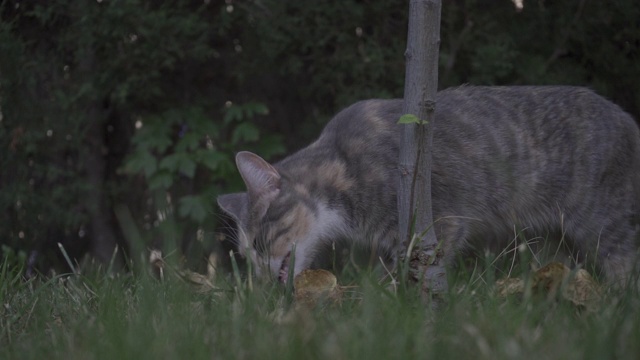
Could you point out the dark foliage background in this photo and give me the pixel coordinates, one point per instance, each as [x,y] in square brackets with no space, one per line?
[119,118]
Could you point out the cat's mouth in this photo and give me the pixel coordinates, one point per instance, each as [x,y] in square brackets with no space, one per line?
[283,274]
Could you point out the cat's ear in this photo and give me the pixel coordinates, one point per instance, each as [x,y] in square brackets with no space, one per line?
[261,179]
[263,185]
[235,205]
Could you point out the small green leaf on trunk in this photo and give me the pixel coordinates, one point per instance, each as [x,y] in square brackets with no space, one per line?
[411,119]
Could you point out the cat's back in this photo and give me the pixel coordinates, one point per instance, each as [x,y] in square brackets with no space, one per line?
[530,107]
[522,125]
[494,106]
[535,126]
[364,125]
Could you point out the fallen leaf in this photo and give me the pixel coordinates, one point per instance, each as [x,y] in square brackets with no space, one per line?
[202,282]
[510,286]
[583,290]
[578,287]
[547,279]
[312,287]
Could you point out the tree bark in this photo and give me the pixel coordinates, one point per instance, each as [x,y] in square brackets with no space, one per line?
[414,192]
[103,238]
[93,155]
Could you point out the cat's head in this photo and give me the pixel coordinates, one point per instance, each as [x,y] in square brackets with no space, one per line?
[276,218]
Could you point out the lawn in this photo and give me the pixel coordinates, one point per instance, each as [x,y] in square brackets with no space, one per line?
[137,316]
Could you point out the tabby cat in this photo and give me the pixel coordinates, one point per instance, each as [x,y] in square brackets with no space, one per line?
[547,159]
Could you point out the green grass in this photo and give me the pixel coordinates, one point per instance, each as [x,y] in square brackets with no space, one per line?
[95,316]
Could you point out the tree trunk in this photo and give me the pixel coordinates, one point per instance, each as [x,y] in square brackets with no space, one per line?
[414,192]
[102,233]
[103,238]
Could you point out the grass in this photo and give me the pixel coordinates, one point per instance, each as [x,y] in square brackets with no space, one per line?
[96,316]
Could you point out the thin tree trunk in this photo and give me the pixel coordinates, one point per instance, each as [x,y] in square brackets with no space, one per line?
[103,239]
[414,192]
[93,156]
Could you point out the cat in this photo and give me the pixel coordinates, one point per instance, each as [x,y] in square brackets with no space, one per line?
[547,159]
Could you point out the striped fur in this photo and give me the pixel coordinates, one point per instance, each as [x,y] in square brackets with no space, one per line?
[555,159]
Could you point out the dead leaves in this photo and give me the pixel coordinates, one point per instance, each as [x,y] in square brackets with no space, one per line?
[312,287]
[556,280]
[201,282]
